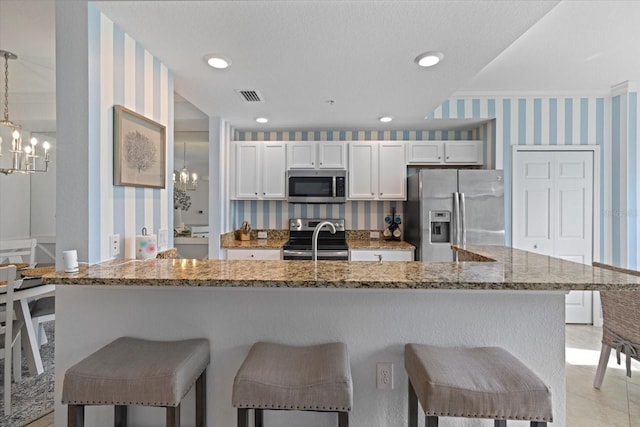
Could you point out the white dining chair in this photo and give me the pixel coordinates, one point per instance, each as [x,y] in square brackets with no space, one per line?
[21,251]
[10,334]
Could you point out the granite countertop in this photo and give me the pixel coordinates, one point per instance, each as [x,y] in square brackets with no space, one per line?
[254,244]
[509,269]
[278,243]
[379,244]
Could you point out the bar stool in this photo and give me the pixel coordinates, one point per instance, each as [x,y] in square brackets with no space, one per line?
[131,371]
[483,382]
[281,377]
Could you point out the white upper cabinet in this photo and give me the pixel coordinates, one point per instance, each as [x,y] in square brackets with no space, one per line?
[302,155]
[445,152]
[316,155]
[392,171]
[425,152]
[377,170]
[260,170]
[332,155]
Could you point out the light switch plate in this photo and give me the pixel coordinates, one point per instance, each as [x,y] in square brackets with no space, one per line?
[163,238]
[262,234]
[374,235]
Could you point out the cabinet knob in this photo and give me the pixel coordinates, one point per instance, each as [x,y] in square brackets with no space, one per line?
[379,257]
[320,163]
[439,157]
[252,255]
[256,193]
[311,163]
[381,194]
[535,246]
[447,157]
[372,194]
[264,194]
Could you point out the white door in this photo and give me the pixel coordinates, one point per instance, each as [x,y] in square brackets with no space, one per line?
[553,213]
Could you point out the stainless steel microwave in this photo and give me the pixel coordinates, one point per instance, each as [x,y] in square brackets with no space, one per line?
[316,186]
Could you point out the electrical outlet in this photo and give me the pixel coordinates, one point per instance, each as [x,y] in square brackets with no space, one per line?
[114,245]
[262,234]
[384,376]
[374,235]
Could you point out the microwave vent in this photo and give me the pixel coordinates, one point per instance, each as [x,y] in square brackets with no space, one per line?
[250,96]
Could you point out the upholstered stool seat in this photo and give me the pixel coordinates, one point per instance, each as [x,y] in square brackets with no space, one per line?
[313,378]
[131,371]
[484,382]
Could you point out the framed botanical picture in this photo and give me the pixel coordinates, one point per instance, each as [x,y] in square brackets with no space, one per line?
[139,147]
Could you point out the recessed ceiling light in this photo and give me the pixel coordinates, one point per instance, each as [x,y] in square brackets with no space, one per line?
[385,119]
[429,59]
[218,61]
[262,120]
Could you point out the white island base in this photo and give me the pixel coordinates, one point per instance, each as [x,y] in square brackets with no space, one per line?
[375,325]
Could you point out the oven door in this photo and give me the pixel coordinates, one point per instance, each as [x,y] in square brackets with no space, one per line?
[323,255]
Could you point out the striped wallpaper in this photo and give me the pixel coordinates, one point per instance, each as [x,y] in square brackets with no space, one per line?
[620,209]
[124,73]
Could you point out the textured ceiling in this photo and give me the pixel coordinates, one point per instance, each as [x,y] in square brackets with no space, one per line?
[300,54]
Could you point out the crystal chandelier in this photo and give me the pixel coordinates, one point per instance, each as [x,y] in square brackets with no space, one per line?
[23,159]
[183,179]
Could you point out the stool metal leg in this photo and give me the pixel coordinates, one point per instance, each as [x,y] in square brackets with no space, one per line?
[431,421]
[173,416]
[500,423]
[201,400]
[258,415]
[243,417]
[343,419]
[413,406]
[120,416]
[75,415]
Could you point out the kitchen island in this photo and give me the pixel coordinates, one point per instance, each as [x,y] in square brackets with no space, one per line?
[504,297]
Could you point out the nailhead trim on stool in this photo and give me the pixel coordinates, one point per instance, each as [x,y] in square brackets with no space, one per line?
[482,382]
[282,377]
[131,371]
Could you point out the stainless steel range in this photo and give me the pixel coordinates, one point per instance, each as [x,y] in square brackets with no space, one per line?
[330,246]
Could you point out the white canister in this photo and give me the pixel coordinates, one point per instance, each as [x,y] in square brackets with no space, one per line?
[146,245]
[70,260]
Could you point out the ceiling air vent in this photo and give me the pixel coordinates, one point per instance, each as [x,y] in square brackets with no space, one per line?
[250,96]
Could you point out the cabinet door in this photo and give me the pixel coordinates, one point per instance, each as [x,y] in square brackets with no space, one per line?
[301,155]
[466,152]
[380,255]
[392,171]
[425,152]
[274,166]
[332,155]
[247,172]
[363,174]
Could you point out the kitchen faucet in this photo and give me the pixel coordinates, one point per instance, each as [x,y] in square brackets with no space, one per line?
[314,238]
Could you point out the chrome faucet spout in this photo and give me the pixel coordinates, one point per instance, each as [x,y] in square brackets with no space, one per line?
[314,238]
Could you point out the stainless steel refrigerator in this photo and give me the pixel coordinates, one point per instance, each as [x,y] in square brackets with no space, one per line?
[453,206]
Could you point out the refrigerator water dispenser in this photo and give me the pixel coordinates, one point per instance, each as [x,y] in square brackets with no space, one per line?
[440,226]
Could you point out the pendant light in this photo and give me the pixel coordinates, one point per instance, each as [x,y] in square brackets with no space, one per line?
[183,179]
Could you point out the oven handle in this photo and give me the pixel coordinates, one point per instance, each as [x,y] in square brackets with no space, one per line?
[296,253]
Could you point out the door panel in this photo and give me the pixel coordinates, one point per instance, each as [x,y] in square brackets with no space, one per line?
[553,213]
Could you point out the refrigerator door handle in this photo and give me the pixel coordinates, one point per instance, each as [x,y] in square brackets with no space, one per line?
[463,221]
[456,219]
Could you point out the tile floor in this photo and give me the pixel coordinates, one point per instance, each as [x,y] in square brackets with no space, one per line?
[616,404]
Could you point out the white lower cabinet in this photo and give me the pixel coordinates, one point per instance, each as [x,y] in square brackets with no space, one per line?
[254,254]
[380,255]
